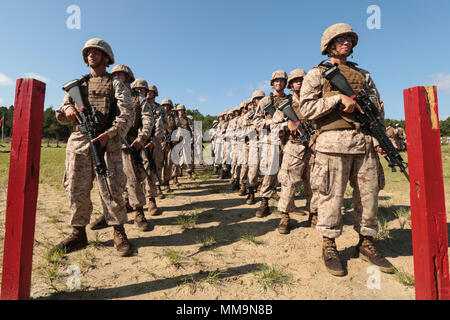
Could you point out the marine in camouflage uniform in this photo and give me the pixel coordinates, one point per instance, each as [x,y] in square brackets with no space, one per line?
[400,137]
[343,151]
[157,140]
[294,154]
[169,168]
[252,142]
[270,152]
[242,148]
[232,131]
[390,132]
[226,167]
[137,137]
[111,100]
[183,122]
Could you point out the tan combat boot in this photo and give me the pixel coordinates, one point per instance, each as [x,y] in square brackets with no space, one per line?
[275,196]
[250,196]
[242,190]
[331,257]
[285,224]
[367,252]
[312,219]
[77,240]
[121,241]
[159,192]
[152,208]
[264,209]
[140,220]
[100,223]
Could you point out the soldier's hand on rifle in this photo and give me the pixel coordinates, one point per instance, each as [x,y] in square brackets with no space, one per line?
[149,146]
[137,145]
[103,138]
[380,151]
[350,104]
[72,114]
[292,127]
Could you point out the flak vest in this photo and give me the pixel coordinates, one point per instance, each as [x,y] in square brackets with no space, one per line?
[276,102]
[185,123]
[338,119]
[98,93]
[390,132]
[171,124]
[134,130]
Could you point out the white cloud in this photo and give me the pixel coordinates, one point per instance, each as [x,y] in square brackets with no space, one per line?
[37,76]
[202,99]
[5,80]
[190,91]
[442,81]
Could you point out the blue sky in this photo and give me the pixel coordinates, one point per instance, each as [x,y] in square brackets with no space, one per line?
[210,54]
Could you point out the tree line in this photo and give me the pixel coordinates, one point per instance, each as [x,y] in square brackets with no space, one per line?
[52,130]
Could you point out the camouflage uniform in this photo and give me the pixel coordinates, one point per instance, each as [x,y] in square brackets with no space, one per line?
[140,132]
[342,154]
[80,173]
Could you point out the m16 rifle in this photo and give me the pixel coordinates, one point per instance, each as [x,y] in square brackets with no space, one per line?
[136,155]
[367,119]
[87,126]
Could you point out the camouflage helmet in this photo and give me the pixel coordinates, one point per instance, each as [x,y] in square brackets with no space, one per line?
[335,31]
[297,73]
[153,88]
[228,112]
[279,74]
[258,94]
[238,108]
[98,44]
[125,69]
[181,107]
[190,117]
[167,102]
[139,83]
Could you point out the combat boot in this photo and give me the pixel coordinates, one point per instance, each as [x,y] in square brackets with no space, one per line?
[312,219]
[331,257]
[297,210]
[264,209]
[77,240]
[175,182]
[285,224]
[152,208]
[121,241]
[367,252]
[215,170]
[100,223]
[242,190]
[140,219]
[235,184]
[251,196]
[159,192]
[275,196]
[223,175]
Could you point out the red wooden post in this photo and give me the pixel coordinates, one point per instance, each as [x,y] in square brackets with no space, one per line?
[22,189]
[428,215]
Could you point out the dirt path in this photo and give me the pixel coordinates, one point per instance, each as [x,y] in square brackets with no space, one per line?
[219,257]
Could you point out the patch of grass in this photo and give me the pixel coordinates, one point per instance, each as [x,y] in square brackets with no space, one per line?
[170,195]
[404,217]
[174,257]
[272,277]
[251,238]
[213,277]
[86,260]
[274,210]
[301,190]
[96,243]
[191,282]
[404,278]
[187,221]
[383,231]
[208,242]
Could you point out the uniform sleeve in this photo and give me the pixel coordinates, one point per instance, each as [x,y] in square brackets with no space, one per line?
[312,105]
[122,122]
[148,121]
[60,112]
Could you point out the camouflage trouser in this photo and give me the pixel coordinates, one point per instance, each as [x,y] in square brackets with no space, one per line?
[134,190]
[158,157]
[290,175]
[150,184]
[243,159]
[311,195]
[169,167]
[331,174]
[269,163]
[78,182]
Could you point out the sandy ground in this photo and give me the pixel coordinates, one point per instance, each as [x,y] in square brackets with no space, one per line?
[228,267]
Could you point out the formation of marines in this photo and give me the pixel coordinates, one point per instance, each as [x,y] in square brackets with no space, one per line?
[255,149]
